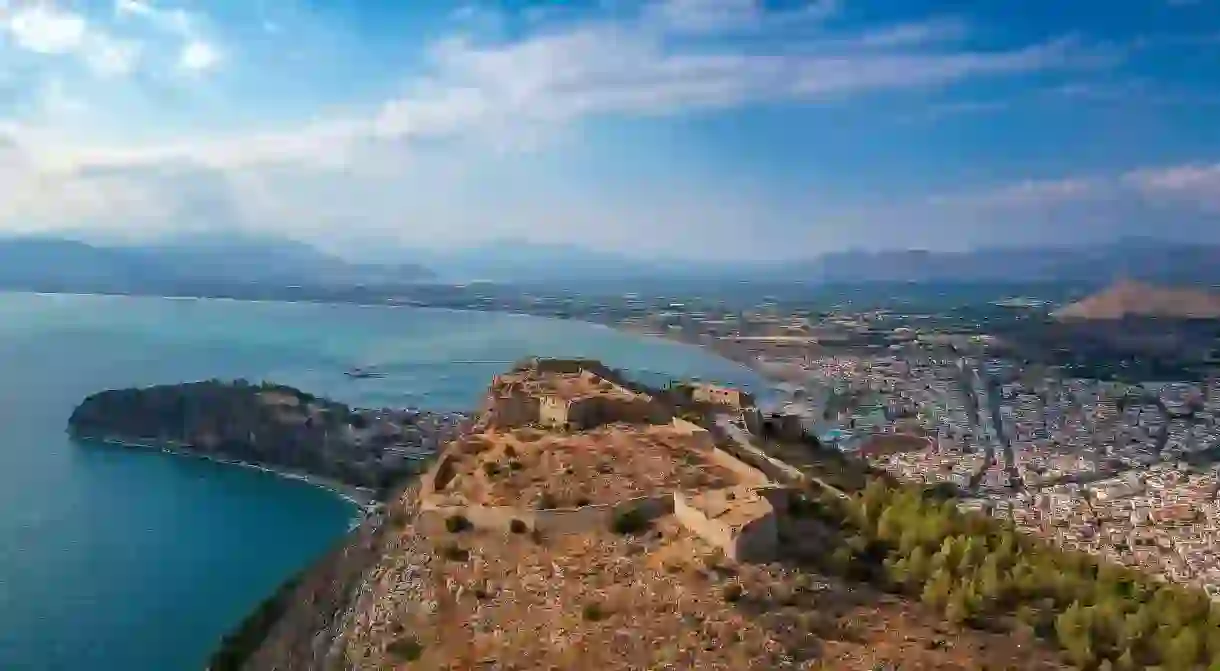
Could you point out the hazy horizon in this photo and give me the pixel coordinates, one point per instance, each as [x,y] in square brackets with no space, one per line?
[723,129]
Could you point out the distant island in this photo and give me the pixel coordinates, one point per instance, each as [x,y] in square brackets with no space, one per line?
[269,425]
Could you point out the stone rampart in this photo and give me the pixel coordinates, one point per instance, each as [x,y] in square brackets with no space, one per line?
[433,516]
[752,536]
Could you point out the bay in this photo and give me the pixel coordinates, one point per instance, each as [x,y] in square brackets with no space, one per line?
[114,558]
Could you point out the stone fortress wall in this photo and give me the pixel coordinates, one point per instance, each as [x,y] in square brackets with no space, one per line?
[741,520]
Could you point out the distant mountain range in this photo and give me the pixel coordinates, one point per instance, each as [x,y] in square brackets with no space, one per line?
[55,264]
[186,263]
[520,261]
[1134,258]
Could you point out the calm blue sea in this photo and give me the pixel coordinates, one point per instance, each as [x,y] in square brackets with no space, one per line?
[115,558]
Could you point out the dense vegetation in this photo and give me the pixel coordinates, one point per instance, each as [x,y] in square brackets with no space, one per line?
[980,572]
[260,423]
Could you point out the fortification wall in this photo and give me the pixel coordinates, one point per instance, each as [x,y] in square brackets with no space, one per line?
[509,408]
[432,517]
[754,541]
[773,468]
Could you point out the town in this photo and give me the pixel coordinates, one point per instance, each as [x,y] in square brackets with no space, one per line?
[1124,470]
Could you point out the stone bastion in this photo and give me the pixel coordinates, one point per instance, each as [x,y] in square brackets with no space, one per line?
[536,464]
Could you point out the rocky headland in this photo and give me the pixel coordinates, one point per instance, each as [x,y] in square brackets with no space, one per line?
[584,522]
[271,426]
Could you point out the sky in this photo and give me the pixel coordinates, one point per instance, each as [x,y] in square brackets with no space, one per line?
[712,129]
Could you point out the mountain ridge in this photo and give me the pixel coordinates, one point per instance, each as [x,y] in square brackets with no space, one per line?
[47,263]
[515,261]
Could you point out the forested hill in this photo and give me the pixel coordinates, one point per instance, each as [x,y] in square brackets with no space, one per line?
[267,424]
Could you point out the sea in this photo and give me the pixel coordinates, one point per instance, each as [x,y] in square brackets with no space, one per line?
[134,559]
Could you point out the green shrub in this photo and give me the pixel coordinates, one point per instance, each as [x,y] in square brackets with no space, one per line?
[630,522]
[518,527]
[405,649]
[593,612]
[457,523]
[454,552]
[733,592]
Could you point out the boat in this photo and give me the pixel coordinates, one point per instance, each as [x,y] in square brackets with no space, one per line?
[362,373]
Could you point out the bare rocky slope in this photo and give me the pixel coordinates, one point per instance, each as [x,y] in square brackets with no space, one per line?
[633,593]
[1129,299]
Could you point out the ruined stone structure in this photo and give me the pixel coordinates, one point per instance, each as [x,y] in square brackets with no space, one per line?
[730,397]
[570,394]
[741,521]
[729,503]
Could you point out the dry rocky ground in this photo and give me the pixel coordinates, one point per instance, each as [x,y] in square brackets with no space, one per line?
[659,599]
[605,465]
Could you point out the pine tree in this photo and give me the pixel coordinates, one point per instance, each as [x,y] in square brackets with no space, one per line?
[919,567]
[961,604]
[937,591]
[1184,650]
[1072,630]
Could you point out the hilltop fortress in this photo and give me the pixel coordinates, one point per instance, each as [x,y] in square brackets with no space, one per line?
[571,446]
[584,522]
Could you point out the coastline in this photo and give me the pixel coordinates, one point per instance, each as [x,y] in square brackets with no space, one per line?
[360,497]
[772,372]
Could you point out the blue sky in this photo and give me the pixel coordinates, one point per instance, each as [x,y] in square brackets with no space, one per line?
[713,128]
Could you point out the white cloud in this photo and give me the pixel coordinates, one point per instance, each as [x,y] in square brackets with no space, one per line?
[133,7]
[915,33]
[198,56]
[177,21]
[195,52]
[719,16]
[529,87]
[43,29]
[371,170]
[1196,185]
[1029,194]
[603,68]
[107,56]
[46,30]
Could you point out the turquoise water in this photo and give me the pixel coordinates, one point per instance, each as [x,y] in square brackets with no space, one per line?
[115,558]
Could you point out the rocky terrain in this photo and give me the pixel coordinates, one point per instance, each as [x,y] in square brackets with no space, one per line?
[270,425]
[1129,299]
[632,594]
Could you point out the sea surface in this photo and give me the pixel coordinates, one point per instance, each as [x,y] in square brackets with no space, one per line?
[123,558]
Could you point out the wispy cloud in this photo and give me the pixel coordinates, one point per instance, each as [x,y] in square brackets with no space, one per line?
[1196,185]
[44,29]
[942,110]
[1027,194]
[723,16]
[198,56]
[521,88]
[608,68]
[196,53]
[529,86]
[941,29]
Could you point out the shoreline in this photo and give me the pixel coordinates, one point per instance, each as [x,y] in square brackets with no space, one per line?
[359,497]
[768,371]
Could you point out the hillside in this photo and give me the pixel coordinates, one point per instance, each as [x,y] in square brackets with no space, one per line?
[270,425]
[581,525]
[1128,299]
